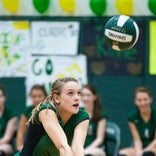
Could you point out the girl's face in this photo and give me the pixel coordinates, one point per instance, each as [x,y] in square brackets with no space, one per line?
[87,98]
[69,99]
[2,98]
[37,96]
[143,101]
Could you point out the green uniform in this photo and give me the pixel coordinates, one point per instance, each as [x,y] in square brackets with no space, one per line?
[28,110]
[7,115]
[146,130]
[92,129]
[38,143]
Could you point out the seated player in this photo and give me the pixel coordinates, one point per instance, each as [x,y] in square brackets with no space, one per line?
[97,124]
[37,95]
[8,125]
[142,123]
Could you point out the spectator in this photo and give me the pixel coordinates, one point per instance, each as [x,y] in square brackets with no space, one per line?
[8,124]
[37,95]
[142,123]
[97,124]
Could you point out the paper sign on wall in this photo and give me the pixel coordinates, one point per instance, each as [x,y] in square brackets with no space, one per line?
[55,38]
[14,48]
[45,69]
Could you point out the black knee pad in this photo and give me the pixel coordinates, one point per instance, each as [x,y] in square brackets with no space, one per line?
[148,153]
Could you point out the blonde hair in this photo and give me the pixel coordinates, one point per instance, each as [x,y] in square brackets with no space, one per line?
[56,89]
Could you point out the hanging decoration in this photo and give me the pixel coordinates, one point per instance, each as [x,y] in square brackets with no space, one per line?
[98,6]
[67,5]
[41,5]
[152,6]
[124,6]
[11,7]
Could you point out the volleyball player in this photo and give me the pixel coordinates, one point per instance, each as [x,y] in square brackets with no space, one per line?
[57,126]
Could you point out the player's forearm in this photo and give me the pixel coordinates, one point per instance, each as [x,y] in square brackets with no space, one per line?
[151,145]
[5,139]
[78,151]
[138,148]
[20,137]
[19,142]
[65,151]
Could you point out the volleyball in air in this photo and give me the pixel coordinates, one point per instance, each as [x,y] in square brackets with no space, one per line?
[121,32]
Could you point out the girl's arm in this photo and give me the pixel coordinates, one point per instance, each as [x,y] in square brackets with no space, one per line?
[137,141]
[100,134]
[10,130]
[21,132]
[55,132]
[80,133]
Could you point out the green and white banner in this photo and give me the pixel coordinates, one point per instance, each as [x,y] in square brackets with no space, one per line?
[45,69]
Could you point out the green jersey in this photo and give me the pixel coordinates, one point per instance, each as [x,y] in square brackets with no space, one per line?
[38,143]
[146,130]
[28,110]
[6,116]
[92,129]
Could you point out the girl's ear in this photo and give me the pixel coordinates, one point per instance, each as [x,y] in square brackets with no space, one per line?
[56,98]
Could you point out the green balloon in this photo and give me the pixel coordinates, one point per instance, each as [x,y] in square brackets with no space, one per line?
[98,6]
[41,5]
[152,6]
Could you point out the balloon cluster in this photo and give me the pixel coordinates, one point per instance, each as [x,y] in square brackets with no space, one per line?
[98,7]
